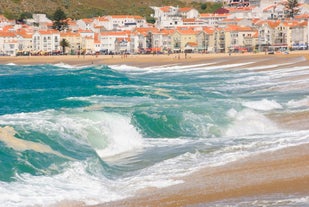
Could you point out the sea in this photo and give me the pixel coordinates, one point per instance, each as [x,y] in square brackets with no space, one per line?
[98,133]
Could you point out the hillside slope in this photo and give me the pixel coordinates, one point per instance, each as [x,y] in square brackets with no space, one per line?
[87,8]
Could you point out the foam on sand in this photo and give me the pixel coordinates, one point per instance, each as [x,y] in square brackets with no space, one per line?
[275,173]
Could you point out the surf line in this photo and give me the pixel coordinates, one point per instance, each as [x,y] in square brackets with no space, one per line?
[7,136]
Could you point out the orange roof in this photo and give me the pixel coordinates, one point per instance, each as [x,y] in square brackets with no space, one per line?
[48,32]
[69,34]
[208,30]
[302,16]
[145,31]
[185,9]
[102,19]
[273,24]
[233,28]
[188,20]
[7,34]
[122,39]
[7,28]
[187,32]
[211,15]
[240,9]
[115,33]
[88,20]
[167,31]
[126,17]
[165,8]
[24,33]
[85,31]
[232,20]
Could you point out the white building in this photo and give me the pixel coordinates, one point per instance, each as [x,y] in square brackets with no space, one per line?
[122,45]
[124,22]
[171,17]
[300,35]
[24,41]
[40,20]
[8,43]
[108,39]
[85,24]
[46,40]
[212,20]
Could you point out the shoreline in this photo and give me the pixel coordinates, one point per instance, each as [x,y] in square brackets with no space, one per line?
[284,171]
[162,59]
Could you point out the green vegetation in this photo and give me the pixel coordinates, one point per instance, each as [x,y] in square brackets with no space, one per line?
[64,43]
[292,8]
[208,7]
[59,18]
[77,9]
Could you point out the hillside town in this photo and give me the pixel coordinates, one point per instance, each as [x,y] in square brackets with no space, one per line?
[239,26]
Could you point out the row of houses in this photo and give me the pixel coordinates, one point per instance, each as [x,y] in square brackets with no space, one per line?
[176,30]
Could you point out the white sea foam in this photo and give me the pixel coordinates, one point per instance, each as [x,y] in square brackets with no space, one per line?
[177,68]
[263,105]
[247,122]
[76,184]
[125,67]
[11,64]
[275,65]
[299,103]
[73,184]
[109,134]
[68,66]
[274,200]
[121,135]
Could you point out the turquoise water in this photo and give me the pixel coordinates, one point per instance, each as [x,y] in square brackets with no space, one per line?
[100,133]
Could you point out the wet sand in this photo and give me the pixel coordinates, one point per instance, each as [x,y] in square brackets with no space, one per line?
[284,171]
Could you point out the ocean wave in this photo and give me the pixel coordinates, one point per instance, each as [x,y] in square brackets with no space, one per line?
[109,134]
[249,122]
[263,105]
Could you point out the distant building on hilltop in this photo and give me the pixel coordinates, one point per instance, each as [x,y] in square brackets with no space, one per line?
[171,17]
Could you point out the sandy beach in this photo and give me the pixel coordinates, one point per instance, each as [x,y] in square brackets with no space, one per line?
[295,58]
[284,171]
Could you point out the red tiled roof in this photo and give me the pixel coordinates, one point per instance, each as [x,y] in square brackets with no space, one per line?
[165,8]
[7,34]
[185,9]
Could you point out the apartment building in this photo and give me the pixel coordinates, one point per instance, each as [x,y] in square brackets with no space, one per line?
[46,41]
[8,43]
[172,17]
